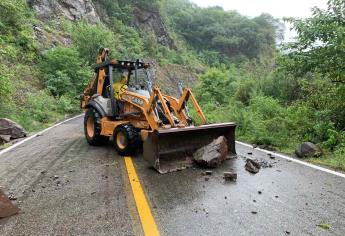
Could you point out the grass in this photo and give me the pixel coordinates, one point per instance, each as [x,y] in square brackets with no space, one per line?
[324,226]
[332,160]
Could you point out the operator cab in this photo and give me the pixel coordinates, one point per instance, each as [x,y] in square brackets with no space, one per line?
[131,76]
[141,84]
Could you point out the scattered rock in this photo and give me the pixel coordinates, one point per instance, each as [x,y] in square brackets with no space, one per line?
[271,156]
[230,176]
[11,128]
[207,172]
[6,206]
[264,164]
[55,176]
[255,145]
[5,139]
[308,149]
[93,193]
[43,172]
[213,154]
[267,147]
[11,196]
[252,166]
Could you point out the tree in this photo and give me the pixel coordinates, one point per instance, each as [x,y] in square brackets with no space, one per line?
[89,39]
[227,32]
[320,44]
[64,72]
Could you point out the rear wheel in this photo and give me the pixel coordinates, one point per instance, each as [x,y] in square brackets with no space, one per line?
[92,128]
[127,140]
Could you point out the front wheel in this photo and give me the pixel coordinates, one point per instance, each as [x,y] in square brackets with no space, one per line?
[92,128]
[127,139]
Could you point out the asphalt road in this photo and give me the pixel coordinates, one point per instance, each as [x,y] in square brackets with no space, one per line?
[66,187]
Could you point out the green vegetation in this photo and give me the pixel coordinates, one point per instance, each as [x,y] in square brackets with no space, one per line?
[299,99]
[64,72]
[278,96]
[324,226]
[213,30]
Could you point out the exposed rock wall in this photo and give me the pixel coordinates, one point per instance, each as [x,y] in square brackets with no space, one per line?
[71,9]
[153,21]
[78,9]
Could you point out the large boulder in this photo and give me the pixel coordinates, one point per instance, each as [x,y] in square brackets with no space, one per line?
[308,149]
[213,154]
[6,206]
[12,129]
[5,139]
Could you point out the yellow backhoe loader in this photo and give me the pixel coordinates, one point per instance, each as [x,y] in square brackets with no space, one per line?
[120,102]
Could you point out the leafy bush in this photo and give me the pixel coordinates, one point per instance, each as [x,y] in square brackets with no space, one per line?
[67,104]
[89,39]
[129,43]
[5,86]
[64,72]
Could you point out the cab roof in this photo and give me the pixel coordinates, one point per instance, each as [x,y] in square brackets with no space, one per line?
[129,65]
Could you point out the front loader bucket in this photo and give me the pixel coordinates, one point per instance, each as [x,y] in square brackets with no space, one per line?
[172,149]
[6,206]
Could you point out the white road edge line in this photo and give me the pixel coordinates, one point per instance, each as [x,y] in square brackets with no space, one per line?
[295,160]
[37,134]
[241,143]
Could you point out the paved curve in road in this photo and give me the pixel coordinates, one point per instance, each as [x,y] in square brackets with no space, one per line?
[66,187]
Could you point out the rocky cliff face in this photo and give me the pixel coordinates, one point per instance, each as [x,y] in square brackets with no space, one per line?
[153,21]
[78,9]
[70,9]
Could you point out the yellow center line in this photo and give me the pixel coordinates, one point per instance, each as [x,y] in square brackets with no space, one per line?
[146,217]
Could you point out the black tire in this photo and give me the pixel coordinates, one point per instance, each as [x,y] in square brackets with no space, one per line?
[92,128]
[130,142]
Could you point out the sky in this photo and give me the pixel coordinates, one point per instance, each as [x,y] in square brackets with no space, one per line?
[277,8]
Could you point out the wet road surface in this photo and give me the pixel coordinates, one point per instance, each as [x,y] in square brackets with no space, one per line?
[66,187]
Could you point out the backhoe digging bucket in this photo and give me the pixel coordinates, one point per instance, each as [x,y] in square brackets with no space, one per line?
[172,149]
